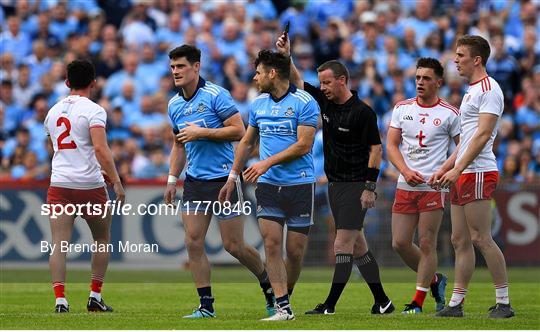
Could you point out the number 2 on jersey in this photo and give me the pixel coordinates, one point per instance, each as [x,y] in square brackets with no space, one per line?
[61,146]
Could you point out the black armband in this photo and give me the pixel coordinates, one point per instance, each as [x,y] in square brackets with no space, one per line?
[372,174]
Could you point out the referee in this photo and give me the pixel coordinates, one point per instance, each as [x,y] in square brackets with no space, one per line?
[352,157]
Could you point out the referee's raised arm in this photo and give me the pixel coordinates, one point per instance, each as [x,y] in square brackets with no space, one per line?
[283,46]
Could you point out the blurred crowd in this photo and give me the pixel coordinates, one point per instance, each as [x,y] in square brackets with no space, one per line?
[128,41]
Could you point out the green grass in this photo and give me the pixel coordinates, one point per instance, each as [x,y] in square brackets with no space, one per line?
[157,300]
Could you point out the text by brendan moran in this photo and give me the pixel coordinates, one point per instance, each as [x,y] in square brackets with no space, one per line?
[121,246]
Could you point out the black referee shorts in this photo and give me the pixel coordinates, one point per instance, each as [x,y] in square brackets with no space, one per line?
[345,204]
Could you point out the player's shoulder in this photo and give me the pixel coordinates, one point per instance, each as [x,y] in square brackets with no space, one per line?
[177,97]
[446,105]
[261,98]
[302,95]
[486,85]
[404,103]
[212,89]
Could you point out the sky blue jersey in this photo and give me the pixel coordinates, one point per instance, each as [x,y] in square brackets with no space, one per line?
[209,107]
[277,122]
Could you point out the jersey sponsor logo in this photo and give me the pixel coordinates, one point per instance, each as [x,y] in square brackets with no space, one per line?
[260,112]
[201,108]
[305,215]
[277,127]
[289,112]
[188,110]
[431,204]
[408,117]
[344,129]
[437,122]
[423,114]
[200,123]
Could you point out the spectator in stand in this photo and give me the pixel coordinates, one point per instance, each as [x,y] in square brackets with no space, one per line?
[24,88]
[15,41]
[30,169]
[157,168]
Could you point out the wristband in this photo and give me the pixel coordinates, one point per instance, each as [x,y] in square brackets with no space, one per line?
[233,175]
[172,179]
[372,174]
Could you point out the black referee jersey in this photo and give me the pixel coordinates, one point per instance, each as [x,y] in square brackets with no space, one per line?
[349,131]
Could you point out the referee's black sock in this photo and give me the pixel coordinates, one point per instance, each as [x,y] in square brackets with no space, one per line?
[370,271]
[342,272]
[205,295]
[266,287]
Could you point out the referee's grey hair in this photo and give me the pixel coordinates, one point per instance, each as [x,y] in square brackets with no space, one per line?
[337,68]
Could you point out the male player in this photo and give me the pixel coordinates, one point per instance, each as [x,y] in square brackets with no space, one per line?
[76,129]
[474,177]
[417,143]
[284,119]
[352,157]
[205,121]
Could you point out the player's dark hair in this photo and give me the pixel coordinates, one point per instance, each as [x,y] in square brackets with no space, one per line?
[337,68]
[80,73]
[431,63]
[477,45]
[191,53]
[274,60]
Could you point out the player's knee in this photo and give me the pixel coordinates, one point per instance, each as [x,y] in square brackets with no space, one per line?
[481,241]
[234,248]
[295,255]
[194,244]
[272,246]
[460,243]
[400,245]
[427,244]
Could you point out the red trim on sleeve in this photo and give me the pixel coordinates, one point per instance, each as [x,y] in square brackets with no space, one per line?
[97,126]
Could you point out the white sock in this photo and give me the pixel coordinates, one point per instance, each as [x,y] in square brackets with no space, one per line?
[61,300]
[458,295]
[501,294]
[95,295]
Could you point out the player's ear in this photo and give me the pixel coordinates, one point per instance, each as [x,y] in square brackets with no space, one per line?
[67,83]
[197,66]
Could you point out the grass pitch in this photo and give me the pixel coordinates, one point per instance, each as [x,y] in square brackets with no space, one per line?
[158,299]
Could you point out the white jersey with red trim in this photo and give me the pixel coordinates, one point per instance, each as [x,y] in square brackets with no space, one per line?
[426,134]
[68,123]
[483,96]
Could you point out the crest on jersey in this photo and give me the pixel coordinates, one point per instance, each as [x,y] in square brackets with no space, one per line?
[437,122]
[289,112]
[201,108]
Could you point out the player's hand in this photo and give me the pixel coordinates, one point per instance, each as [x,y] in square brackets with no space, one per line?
[254,171]
[119,191]
[368,199]
[450,178]
[190,133]
[413,178]
[435,180]
[283,45]
[170,194]
[226,191]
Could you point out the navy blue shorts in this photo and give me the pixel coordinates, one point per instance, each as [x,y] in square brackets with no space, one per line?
[290,205]
[201,197]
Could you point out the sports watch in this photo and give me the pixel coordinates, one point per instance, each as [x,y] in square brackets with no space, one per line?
[371,186]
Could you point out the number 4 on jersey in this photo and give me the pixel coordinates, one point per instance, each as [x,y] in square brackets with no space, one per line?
[61,146]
